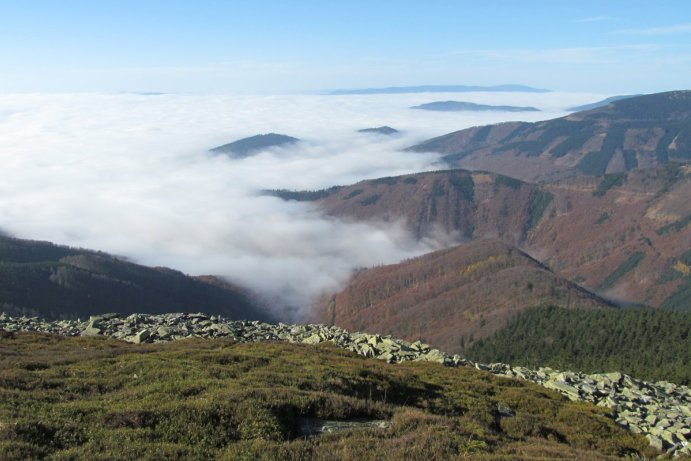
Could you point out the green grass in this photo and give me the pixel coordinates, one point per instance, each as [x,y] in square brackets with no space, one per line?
[100,399]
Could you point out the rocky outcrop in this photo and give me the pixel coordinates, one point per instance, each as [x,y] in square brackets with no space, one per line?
[661,411]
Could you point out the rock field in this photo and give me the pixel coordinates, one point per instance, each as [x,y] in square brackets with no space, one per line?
[659,410]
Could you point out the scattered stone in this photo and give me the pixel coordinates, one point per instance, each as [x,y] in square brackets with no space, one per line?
[661,411]
[309,427]
[91,330]
[570,391]
[505,410]
[141,337]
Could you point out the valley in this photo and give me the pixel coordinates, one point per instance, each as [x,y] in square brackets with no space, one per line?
[562,243]
[641,215]
[345,231]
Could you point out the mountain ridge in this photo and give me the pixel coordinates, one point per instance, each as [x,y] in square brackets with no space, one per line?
[249,146]
[636,223]
[601,103]
[41,278]
[636,132]
[451,298]
[440,89]
[384,130]
[458,106]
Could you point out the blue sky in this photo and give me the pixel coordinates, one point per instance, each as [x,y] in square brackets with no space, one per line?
[265,46]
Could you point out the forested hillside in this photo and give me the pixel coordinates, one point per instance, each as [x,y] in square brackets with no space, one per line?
[622,235]
[40,278]
[450,298]
[636,132]
[646,343]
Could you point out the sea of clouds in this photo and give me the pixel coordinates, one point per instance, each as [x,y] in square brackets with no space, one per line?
[131,175]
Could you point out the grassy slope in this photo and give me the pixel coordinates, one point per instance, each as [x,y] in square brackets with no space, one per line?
[94,398]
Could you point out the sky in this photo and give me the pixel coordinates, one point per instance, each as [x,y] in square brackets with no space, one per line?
[269,47]
[88,160]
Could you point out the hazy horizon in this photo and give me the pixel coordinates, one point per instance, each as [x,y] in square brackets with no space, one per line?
[89,160]
[270,47]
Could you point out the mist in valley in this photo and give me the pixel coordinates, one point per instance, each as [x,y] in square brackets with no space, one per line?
[131,175]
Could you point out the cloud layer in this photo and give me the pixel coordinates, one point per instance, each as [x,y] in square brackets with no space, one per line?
[130,174]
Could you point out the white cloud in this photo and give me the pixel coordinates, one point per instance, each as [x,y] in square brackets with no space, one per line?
[131,175]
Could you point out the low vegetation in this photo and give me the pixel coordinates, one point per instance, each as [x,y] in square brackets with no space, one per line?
[647,343]
[95,398]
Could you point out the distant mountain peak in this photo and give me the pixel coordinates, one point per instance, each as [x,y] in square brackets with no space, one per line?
[453,106]
[247,147]
[507,88]
[386,130]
